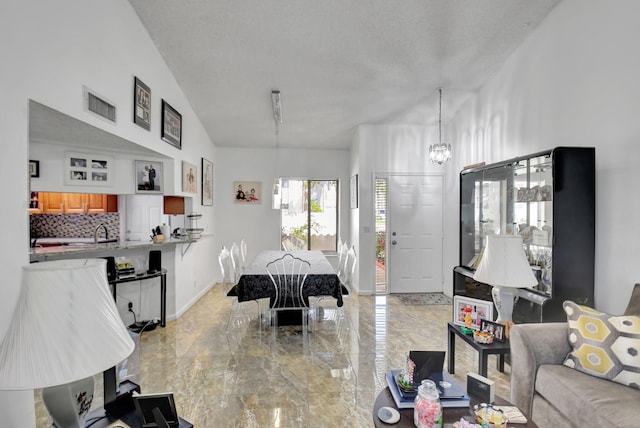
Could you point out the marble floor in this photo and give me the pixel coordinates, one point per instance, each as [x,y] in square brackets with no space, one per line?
[225,373]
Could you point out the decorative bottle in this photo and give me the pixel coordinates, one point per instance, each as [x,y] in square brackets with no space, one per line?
[428,409]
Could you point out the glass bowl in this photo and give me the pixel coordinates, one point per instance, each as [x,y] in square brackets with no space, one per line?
[489,417]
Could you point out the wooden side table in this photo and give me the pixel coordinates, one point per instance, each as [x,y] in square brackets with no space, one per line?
[496,348]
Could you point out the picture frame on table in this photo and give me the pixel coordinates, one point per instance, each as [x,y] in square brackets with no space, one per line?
[149,176]
[480,309]
[88,169]
[497,329]
[141,104]
[207,182]
[171,130]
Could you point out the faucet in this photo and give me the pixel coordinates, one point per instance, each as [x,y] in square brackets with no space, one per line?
[95,233]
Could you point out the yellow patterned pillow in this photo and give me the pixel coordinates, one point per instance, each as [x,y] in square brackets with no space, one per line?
[604,345]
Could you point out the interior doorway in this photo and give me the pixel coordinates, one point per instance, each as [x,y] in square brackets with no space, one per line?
[409,218]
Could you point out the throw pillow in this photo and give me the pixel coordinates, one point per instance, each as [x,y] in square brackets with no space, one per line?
[604,345]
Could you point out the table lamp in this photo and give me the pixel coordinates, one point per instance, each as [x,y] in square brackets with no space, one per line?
[504,266]
[65,329]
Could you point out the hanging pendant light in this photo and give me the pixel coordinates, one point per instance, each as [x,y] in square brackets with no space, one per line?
[440,153]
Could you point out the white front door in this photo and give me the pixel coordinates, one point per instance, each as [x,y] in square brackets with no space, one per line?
[415,233]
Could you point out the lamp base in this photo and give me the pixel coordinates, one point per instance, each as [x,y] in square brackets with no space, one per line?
[503,299]
[68,405]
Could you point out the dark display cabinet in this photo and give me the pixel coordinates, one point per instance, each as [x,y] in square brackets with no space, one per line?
[549,199]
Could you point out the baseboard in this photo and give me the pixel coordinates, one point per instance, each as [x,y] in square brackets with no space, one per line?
[191,302]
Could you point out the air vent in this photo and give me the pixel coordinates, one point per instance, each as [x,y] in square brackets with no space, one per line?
[101,107]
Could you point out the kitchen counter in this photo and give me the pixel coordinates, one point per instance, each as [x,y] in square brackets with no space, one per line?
[87,247]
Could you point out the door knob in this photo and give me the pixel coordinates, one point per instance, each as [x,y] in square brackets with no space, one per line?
[394,242]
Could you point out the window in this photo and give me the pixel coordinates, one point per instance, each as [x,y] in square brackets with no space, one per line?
[309,214]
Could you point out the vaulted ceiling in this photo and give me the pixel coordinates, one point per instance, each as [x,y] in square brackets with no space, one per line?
[337,63]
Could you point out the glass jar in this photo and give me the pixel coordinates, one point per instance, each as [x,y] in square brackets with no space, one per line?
[428,409]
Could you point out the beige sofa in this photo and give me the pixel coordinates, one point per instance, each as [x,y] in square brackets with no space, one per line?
[554,395]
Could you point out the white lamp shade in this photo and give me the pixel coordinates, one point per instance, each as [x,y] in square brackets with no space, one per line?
[65,327]
[504,263]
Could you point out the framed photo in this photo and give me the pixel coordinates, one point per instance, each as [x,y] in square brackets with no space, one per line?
[149,178]
[189,177]
[247,192]
[171,125]
[495,328]
[207,182]
[141,104]
[163,403]
[88,169]
[480,310]
[354,191]
[34,168]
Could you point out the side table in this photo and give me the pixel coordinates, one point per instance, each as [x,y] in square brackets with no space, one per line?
[497,348]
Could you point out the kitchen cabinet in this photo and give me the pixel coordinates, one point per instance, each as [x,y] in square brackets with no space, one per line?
[73,203]
[549,199]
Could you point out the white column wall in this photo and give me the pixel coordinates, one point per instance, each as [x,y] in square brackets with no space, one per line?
[384,149]
[49,51]
[574,82]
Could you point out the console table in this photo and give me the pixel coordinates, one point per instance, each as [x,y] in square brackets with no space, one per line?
[162,273]
[497,348]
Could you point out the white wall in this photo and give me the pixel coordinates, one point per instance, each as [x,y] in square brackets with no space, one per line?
[384,149]
[258,223]
[574,82]
[50,50]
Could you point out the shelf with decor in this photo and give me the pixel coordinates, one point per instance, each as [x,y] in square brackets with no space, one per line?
[548,198]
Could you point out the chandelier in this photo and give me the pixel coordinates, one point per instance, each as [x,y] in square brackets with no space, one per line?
[440,153]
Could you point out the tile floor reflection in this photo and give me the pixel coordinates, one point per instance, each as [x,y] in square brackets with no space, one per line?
[224,373]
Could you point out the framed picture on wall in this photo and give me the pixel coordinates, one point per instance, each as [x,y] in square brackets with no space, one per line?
[171,125]
[189,177]
[34,168]
[88,169]
[141,104]
[148,176]
[247,192]
[207,182]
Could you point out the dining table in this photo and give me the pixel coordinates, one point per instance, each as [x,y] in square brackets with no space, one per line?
[322,279]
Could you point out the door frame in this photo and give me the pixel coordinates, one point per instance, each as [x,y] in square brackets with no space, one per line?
[388,257]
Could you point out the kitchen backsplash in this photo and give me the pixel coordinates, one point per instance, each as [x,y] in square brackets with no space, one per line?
[73,225]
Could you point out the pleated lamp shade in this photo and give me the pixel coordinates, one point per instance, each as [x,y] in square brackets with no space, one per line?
[504,263]
[66,326]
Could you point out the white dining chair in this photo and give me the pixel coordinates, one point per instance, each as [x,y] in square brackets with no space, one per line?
[229,280]
[288,275]
[342,260]
[243,254]
[235,259]
[349,268]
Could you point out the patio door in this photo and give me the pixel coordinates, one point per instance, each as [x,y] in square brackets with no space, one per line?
[309,214]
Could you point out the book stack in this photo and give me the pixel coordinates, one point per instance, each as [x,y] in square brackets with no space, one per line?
[451,393]
[125,269]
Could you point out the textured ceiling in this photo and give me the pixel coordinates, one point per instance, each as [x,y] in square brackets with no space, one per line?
[337,63]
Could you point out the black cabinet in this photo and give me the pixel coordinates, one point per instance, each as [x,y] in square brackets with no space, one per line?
[549,199]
